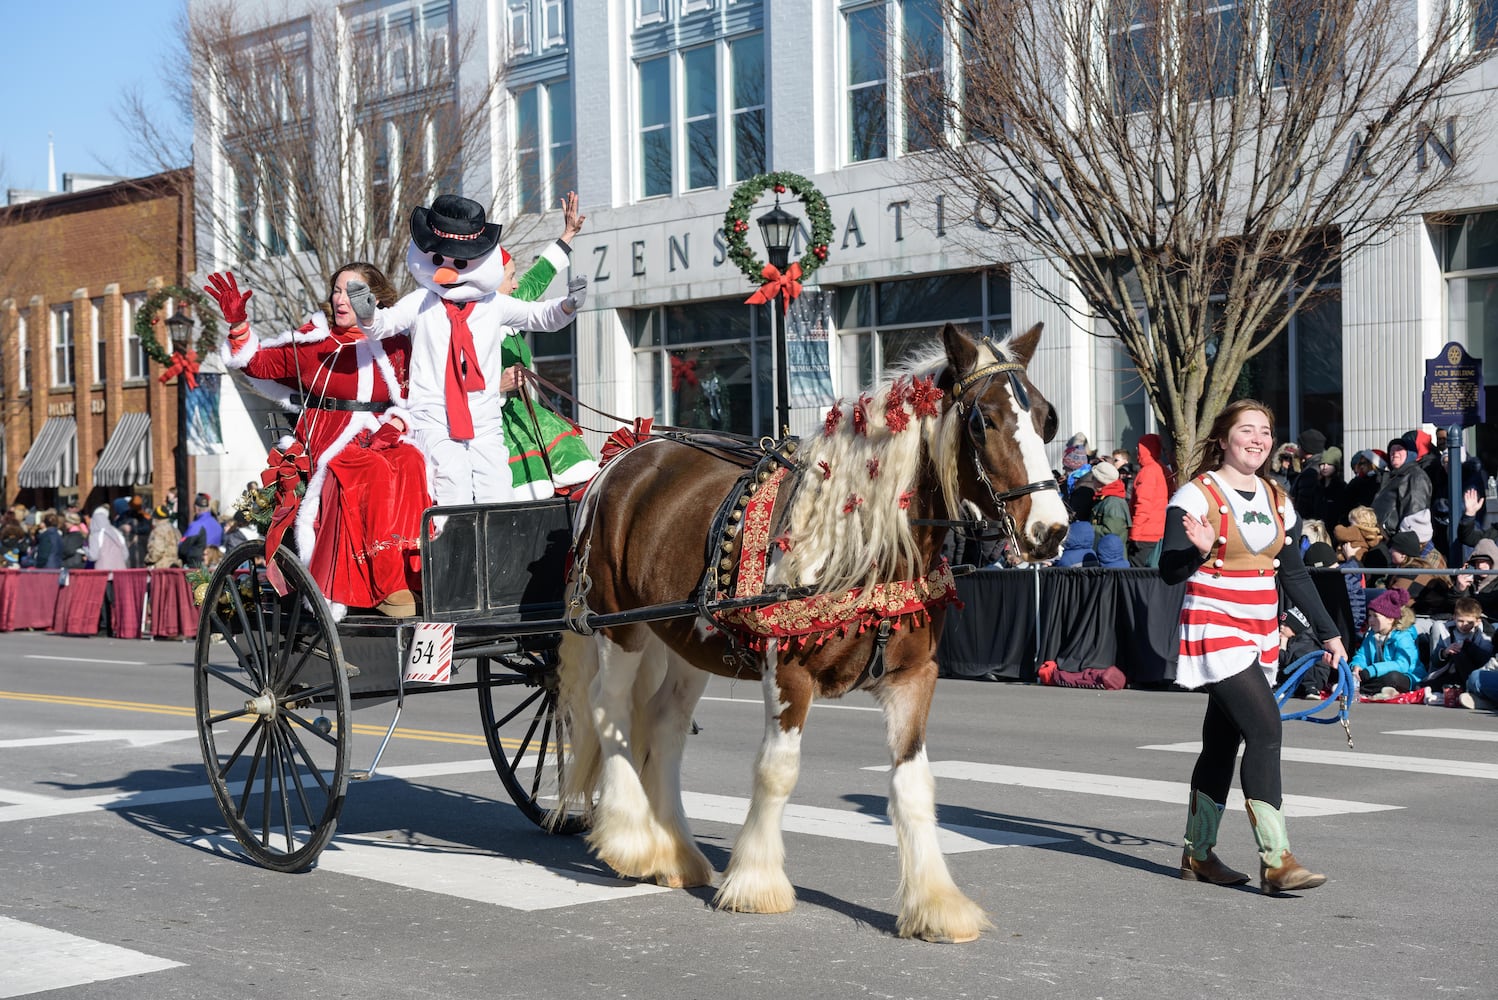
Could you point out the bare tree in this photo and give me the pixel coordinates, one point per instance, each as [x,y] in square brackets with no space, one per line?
[328,129]
[1186,164]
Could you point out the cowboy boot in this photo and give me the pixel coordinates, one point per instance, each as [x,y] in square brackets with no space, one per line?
[1198,863]
[1278,869]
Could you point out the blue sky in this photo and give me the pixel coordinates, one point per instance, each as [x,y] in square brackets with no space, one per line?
[64,67]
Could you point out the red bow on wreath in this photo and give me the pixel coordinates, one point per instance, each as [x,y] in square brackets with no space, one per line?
[185,362]
[776,284]
[286,469]
[683,370]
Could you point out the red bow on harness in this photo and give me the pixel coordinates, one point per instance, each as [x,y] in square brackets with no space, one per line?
[186,363]
[624,438]
[286,470]
[776,283]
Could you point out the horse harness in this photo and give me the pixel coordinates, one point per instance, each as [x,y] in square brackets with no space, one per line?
[976,426]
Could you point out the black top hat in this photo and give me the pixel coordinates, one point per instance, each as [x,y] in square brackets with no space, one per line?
[453,227]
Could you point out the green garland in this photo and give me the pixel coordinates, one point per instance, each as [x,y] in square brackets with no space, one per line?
[736,221]
[203,309]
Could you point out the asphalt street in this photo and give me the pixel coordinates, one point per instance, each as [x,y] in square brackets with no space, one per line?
[1062,813]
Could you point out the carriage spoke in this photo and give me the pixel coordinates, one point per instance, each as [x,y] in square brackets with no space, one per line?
[221,628]
[248,659]
[306,694]
[237,713]
[541,757]
[232,682]
[223,771]
[307,654]
[526,703]
[283,765]
[292,738]
[256,759]
[329,737]
[289,645]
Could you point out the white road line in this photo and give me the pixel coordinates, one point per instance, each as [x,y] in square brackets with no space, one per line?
[483,878]
[1481,735]
[78,659]
[37,959]
[1146,789]
[1373,761]
[841,824]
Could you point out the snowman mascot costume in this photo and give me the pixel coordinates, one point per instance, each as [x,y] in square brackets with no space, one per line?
[457,322]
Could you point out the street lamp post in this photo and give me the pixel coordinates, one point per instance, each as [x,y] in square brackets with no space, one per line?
[179,329]
[778,227]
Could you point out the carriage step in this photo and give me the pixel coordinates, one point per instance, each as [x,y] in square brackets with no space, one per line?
[360,775]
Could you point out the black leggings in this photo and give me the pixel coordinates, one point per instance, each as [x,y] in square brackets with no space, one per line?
[1241,711]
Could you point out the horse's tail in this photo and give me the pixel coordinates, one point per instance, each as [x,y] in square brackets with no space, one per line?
[579,665]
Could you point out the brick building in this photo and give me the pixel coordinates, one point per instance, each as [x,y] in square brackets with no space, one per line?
[85,416]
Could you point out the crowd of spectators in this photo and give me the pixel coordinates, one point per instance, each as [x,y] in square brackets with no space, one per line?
[124,533]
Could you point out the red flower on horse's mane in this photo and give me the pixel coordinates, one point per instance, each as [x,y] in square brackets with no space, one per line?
[783,543]
[826,470]
[895,417]
[905,499]
[873,466]
[834,417]
[924,395]
[853,502]
[861,414]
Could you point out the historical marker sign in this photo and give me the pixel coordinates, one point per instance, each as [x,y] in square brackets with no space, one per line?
[1453,389]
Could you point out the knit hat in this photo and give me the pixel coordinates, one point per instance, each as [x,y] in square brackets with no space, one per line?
[201,501]
[1295,618]
[119,505]
[1370,456]
[1406,542]
[1485,549]
[1320,554]
[1311,441]
[1105,473]
[1331,456]
[1075,455]
[1396,443]
[1390,603]
[73,517]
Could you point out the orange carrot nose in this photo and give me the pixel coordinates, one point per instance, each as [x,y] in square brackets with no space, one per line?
[446,276]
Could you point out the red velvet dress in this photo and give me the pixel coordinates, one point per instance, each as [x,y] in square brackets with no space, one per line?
[360,519]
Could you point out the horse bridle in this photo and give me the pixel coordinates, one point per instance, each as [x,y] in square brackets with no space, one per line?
[977,430]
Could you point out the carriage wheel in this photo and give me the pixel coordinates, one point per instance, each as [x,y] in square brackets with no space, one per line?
[518,702]
[272,704]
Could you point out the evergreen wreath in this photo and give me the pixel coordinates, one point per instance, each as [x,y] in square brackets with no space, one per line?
[736,221]
[203,310]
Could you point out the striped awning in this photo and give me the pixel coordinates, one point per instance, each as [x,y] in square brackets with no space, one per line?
[52,462]
[126,459]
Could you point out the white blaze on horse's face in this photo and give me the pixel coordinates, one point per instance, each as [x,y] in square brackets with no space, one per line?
[1047,511]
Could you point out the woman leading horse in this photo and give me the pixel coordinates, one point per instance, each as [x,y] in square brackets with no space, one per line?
[668,521]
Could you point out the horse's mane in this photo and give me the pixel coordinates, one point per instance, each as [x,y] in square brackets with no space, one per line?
[848,523]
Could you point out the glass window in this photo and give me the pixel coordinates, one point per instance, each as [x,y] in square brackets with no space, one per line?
[747,62]
[553,23]
[867,75]
[921,22]
[101,353]
[1293,28]
[655,127]
[62,345]
[528,150]
[23,355]
[705,364]
[1484,26]
[1213,43]
[563,139]
[881,323]
[520,28]
[700,71]
[1134,56]
[650,11]
[136,359]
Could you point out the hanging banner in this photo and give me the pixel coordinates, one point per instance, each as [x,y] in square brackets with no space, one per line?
[205,436]
[807,327]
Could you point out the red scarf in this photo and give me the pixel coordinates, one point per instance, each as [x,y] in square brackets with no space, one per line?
[461,378]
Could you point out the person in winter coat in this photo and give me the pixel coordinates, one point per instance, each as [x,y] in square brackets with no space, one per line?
[1079,548]
[1388,661]
[1367,476]
[1458,646]
[161,546]
[1110,508]
[1319,487]
[48,552]
[74,542]
[1405,491]
[1147,505]
[107,548]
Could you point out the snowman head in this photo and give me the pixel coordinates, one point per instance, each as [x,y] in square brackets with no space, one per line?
[454,252]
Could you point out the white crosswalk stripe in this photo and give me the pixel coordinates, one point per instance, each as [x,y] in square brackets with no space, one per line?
[1359,758]
[1478,735]
[1147,789]
[36,959]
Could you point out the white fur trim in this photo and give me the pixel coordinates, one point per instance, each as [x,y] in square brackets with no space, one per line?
[306,514]
[558,256]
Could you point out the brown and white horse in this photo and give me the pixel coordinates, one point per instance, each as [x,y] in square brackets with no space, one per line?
[642,538]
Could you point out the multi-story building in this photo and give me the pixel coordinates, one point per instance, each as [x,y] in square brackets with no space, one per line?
[655,109]
[85,417]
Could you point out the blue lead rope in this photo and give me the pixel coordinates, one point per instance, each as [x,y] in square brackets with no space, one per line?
[1344,692]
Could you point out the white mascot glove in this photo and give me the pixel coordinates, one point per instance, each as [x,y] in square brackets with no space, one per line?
[577,294]
[361,300]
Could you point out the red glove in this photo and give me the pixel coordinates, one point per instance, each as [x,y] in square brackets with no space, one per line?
[231,301]
[388,436]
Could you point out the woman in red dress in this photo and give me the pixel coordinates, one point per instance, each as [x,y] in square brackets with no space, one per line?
[359,521]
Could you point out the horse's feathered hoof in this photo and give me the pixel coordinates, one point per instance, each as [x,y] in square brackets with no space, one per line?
[756,894]
[947,919]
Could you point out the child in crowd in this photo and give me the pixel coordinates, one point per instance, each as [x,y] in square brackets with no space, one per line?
[1388,663]
[1459,646]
